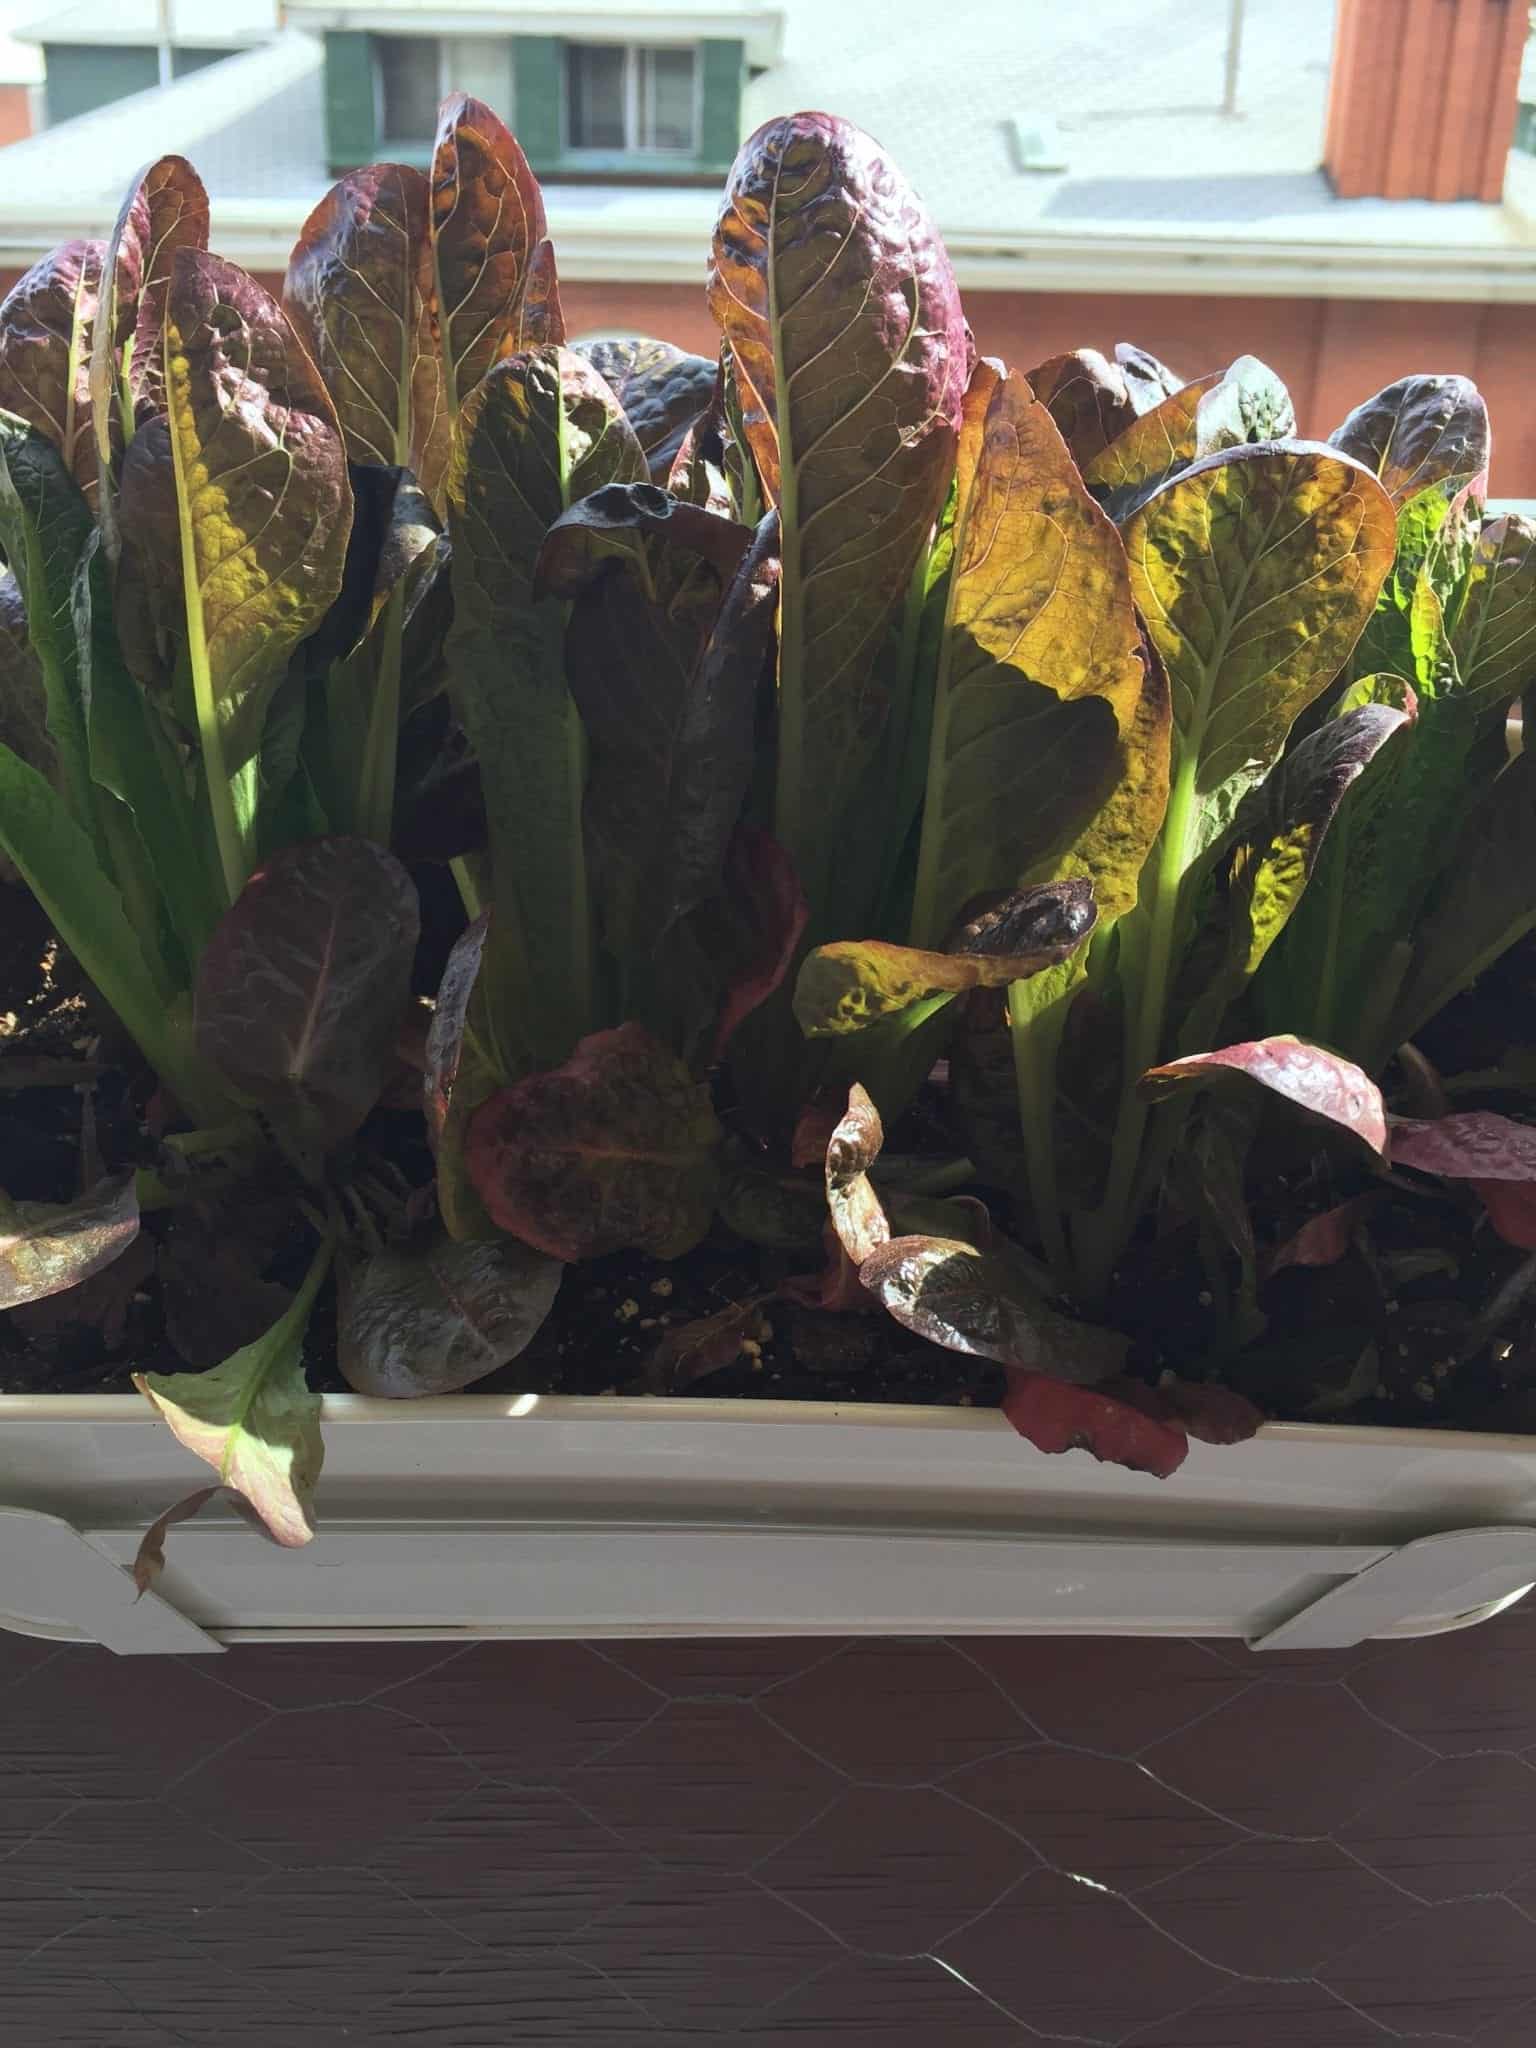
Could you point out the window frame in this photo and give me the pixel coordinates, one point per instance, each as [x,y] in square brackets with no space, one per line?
[634,72]
[445,45]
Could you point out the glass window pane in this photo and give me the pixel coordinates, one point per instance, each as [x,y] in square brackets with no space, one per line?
[408,69]
[481,65]
[667,100]
[594,91]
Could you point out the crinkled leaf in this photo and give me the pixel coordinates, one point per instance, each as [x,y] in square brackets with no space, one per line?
[301,988]
[1154,447]
[661,388]
[493,265]
[636,523]
[848,986]
[1147,381]
[459,1074]
[46,1247]
[1248,404]
[1040,670]
[850,355]
[541,431]
[1470,1144]
[1331,1090]
[1255,571]
[981,1304]
[1055,1417]
[46,324]
[359,291]
[858,1215]
[245,486]
[1088,397]
[254,1419]
[149,1558]
[429,1320]
[1418,432]
[615,1150]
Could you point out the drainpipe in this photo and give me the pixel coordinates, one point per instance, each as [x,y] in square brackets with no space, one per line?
[1234,55]
[163,26]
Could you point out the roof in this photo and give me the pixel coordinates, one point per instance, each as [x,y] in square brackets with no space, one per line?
[1161,190]
[196,24]
[760,27]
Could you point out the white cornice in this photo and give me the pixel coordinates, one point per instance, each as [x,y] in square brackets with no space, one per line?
[760,28]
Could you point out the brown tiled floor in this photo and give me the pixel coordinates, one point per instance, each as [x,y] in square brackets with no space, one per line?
[974,1844]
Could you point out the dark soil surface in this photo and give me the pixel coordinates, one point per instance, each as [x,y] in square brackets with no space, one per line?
[1380,1337]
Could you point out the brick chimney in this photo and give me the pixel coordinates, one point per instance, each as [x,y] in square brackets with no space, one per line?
[1421,103]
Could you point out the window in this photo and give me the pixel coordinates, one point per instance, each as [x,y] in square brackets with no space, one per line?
[620,97]
[416,72]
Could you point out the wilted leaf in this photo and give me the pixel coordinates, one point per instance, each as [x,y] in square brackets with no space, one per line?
[858,1216]
[254,1419]
[359,291]
[46,323]
[1320,1084]
[1418,432]
[689,1351]
[1040,670]
[493,265]
[1511,1206]
[541,431]
[460,1072]
[1212,1414]
[1470,1144]
[149,1558]
[1089,399]
[661,388]
[853,984]
[301,988]
[1055,1417]
[850,356]
[47,1247]
[415,1322]
[981,1304]
[1323,1240]
[615,1150]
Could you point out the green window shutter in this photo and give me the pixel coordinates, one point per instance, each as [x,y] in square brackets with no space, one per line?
[723,67]
[351,136]
[538,85]
[81,77]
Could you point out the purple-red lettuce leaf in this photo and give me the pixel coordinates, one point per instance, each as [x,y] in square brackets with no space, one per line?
[857,1213]
[46,323]
[541,431]
[768,914]
[661,388]
[850,355]
[1483,903]
[614,1150]
[254,1419]
[493,267]
[420,1320]
[47,1247]
[1329,1090]
[1126,1425]
[855,983]
[1419,432]
[1088,397]
[164,210]
[1495,1154]
[1039,673]
[302,987]
[664,651]
[359,291]
[236,511]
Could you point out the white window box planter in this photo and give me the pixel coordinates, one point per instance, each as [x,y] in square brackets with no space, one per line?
[489,1516]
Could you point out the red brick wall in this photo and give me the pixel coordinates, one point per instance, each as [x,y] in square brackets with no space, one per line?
[15,114]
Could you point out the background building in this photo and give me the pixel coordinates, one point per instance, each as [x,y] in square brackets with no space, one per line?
[1342,201]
